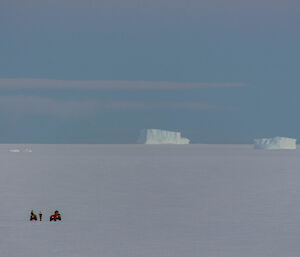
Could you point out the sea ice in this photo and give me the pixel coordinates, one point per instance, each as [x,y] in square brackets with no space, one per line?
[275,143]
[157,136]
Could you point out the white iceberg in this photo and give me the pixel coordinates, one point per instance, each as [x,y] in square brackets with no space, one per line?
[275,143]
[27,150]
[157,136]
[21,149]
[14,150]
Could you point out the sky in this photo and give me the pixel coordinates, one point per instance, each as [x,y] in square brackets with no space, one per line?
[87,71]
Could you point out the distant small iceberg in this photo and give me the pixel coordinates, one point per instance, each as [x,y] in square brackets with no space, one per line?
[27,150]
[275,143]
[20,150]
[14,150]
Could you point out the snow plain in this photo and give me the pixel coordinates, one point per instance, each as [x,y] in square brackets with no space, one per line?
[150,201]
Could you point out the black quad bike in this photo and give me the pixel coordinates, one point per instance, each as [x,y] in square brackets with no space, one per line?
[55,217]
[33,217]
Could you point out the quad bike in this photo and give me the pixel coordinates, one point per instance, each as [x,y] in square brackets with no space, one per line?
[58,216]
[55,217]
[33,217]
[52,218]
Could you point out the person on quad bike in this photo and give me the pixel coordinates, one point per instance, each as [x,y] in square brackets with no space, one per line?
[40,215]
[57,215]
[52,218]
[32,216]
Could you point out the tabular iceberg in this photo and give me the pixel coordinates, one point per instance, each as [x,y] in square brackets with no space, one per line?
[275,143]
[157,136]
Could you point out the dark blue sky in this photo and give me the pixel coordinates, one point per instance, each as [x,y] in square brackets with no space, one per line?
[242,58]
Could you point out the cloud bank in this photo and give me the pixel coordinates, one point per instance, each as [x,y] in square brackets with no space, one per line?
[36,105]
[49,84]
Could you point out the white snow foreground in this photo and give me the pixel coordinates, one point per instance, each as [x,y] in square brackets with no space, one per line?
[157,136]
[275,143]
[141,201]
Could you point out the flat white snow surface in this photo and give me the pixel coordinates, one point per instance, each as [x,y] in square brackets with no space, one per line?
[150,201]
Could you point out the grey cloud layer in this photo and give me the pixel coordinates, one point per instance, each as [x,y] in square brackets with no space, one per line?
[36,105]
[28,83]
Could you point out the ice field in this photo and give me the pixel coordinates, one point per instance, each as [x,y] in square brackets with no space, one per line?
[150,201]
